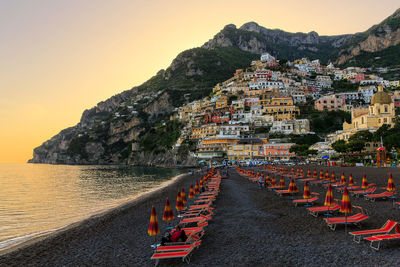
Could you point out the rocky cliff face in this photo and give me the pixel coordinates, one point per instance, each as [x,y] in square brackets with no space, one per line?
[377,38]
[253,38]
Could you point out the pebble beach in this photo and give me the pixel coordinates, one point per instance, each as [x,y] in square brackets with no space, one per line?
[251,226]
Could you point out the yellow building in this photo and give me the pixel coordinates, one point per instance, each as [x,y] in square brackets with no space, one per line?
[222,102]
[281,108]
[247,149]
[214,147]
[381,111]
[207,130]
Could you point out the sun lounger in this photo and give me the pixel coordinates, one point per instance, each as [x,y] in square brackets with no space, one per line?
[379,238]
[383,195]
[195,219]
[350,188]
[314,211]
[363,192]
[305,201]
[354,219]
[307,179]
[385,229]
[184,253]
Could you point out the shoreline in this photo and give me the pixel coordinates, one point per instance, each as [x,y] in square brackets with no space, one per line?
[91,219]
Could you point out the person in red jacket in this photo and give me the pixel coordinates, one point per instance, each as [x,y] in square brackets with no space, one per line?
[178,235]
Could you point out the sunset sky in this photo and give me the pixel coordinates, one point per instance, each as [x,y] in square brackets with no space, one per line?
[58,58]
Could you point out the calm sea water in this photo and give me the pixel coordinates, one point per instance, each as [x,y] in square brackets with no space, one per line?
[36,199]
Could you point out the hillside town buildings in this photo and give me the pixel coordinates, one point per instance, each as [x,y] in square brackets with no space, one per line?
[234,123]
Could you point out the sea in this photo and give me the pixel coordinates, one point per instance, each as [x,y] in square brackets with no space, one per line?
[38,199]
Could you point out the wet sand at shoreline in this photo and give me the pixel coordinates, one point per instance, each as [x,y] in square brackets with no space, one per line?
[250,227]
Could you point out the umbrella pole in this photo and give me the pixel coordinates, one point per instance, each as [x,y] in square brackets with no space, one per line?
[345,226]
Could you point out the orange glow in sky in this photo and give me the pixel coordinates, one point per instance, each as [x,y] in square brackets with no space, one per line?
[59,58]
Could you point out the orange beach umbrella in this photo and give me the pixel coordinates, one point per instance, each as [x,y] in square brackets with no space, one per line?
[326,175]
[273,181]
[306,193]
[308,173]
[333,177]
[196,188]
[364,184]
[390,186]
[153,225]
[293,187]
[281,182]
[179,203]
[329,202]
[191,192]
[342,179]
[183,196]
[351,181]
[321,175]
[268,180]
[345,207]
[315,174]
[168,214]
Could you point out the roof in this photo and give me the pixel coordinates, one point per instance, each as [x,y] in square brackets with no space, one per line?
[381,97]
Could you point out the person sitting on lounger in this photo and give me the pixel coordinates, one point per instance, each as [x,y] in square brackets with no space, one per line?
[178,235]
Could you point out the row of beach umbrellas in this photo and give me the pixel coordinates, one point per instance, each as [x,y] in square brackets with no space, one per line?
[181,202]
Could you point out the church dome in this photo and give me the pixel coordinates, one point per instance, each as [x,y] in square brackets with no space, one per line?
[381,97]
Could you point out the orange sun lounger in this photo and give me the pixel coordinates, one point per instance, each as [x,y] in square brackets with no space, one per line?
[383,195]
[304,201]
[184,253]
[379,238]
[385,229]
[314,211]
[363,192]
[354,219]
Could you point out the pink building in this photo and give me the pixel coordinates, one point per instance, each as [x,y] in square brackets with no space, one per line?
[330,102]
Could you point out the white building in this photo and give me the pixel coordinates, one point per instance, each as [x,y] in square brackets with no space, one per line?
[291,126]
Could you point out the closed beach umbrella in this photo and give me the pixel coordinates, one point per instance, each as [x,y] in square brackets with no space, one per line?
[351,181]
[273,181]
[179,203]
[191,192]
[333,177]
[196,187]
[309,173]
[342,179]
[268,179]
[153,225]
[321,175]
[183,196]
[168,214]
[306,193]
[293,187]
[345,207]
[329,202]
[315,174]
[301,173]
[281,182]
[391,187]
[327,175]
[292,171]
[364,184]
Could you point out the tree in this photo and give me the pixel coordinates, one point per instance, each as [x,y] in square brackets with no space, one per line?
[340,146]
[355,145]
[300,150]
[365,135]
